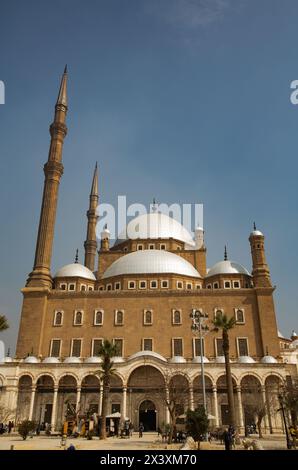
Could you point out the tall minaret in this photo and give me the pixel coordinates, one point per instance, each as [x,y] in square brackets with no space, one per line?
[53,170]
[90,243]
[260,269]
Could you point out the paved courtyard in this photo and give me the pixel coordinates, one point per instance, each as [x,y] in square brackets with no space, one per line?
[149,441]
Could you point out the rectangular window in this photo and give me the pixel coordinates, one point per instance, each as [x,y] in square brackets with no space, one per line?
[140,247]
[115,408]
[76,348]
[227,284]
[96,345]
[162,246]
[151,246]
[147,344]
[153,285]
[198,286]
[218,347]
[119,317]
[55,348]
[242,346]
[131,284]
[239,315]
[197,347]
[119,345]
[63,286]
[236,284]
[109,286]
[179,285]
[188,286]
[177,347]
[176,317]
[215,285]
[71,286]
[142,284]
[83,287]
[148,317]
[98,317]
[117,285]
[164,284]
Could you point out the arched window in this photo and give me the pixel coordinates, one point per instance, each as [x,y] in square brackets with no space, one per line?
[148,317]
[98,317]
[119,316]
[176,317]
[78,318]
[58,318]
[239,315]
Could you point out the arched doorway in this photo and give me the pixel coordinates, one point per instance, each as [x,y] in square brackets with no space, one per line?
[44,401]
[147,415]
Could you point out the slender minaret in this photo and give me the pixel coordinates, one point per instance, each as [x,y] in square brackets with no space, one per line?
[260,269]
[53,170]
[90,243]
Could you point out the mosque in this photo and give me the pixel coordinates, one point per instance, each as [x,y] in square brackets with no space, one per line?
[139,293]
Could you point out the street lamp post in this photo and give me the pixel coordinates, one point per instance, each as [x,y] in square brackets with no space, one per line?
[200,328]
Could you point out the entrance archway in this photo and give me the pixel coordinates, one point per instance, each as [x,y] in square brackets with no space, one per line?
[147,415]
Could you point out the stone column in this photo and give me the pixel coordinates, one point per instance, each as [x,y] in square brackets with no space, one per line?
[266,421]
[167,409]
[33,390]
[54,409]
[215,405]
[100,399]
[191,402]
[78,399]
[240,409]
[124,401]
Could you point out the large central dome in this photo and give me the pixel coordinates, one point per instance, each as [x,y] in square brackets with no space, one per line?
[151,262]
[155,225]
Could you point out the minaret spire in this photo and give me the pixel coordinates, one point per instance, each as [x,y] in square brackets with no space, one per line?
[90,243]
[77,256]
[226,254]
[53,170]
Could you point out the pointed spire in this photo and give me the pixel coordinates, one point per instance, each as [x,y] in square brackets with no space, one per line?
[267,352]
[62,96]
[255,227]
[8,352]
[94,187]
[226,254]
[77,256]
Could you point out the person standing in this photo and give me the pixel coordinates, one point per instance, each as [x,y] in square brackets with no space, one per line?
[141,430]
[227,439]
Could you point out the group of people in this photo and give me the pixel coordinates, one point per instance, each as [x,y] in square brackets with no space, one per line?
[6,427]
[228,437]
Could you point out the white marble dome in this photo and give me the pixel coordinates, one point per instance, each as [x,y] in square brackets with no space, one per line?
[151,262]
[31,360]
[227,267]
[93,360]
[197,359]
[268,360]
[75,270]
[51,360]
[245,360]
[155,225]
[147,353]
[8,359]
[177,360]
[256,233]
[72,360]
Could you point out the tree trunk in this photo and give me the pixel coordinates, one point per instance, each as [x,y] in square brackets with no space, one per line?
[259,426]
[226,351]
[104,411]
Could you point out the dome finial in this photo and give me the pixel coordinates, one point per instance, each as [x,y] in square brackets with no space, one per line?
[255,227]
[77,256]
[154,205]
[267,353]
[226,254]
[8,352]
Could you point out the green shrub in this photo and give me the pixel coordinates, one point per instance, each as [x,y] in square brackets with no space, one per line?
[25,427]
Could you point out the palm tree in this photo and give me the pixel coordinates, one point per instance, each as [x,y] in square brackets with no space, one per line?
[107,351]
[3,323]
[225,324]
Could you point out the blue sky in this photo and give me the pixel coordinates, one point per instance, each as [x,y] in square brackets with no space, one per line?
[183,100]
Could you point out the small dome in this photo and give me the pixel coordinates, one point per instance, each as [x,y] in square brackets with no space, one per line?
[72,359]
[93,360]
[117,359]
[155,225]
[31,360]
[75,270]
[227,267]
[105,233]
[151,262]
[220,359]
[197,359]
[268,360]
[51,360]
[8,359]
[256,233]
[294,344]
[177,359]
[146,353]
[245,360]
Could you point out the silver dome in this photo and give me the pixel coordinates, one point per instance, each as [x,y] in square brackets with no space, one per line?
[197,359]
[147,353]
[51,360]
[177,359]
[151,262]
[268,360]
[256,233]
[72,359]
[155,225]
[75,270]
[93,360]
[245,360]
[31,360]
[227,267]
